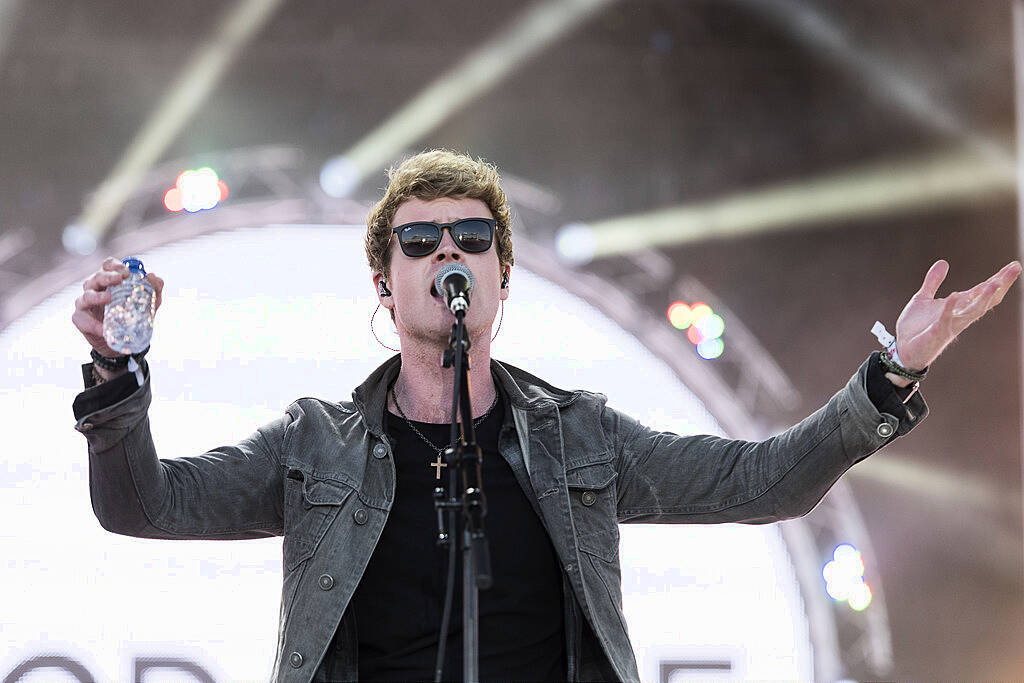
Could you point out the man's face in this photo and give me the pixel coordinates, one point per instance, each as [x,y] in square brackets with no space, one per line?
[419,315]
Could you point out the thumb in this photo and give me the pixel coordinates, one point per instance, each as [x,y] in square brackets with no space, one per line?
[936,274]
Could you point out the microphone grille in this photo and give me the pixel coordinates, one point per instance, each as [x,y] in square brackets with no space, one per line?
[450,269]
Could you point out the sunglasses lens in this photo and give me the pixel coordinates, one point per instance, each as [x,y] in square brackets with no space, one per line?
[419,239]
[473,236]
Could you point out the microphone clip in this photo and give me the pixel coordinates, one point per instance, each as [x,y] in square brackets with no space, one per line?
[458,304]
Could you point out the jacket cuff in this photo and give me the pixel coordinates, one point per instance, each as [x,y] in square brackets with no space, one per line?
[105,394]
[889,399]
[105,412]
[878,410]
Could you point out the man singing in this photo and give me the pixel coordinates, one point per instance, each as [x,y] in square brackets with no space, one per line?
[350,485]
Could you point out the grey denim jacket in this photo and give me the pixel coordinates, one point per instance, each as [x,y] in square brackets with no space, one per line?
[323,476]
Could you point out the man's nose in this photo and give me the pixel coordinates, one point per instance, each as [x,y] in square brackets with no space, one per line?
[447,249]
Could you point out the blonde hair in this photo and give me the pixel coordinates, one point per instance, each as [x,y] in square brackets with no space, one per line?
[431,175]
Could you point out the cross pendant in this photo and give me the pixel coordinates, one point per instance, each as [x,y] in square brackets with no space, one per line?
[438,465]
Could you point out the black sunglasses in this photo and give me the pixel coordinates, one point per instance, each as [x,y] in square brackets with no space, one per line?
[472,235]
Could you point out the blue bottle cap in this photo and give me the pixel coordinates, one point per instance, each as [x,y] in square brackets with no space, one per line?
[134,266]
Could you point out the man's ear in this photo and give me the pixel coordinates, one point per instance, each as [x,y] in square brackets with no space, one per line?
[380,284]
[503,292]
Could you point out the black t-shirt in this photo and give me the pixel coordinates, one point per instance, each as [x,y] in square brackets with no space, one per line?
[399,600]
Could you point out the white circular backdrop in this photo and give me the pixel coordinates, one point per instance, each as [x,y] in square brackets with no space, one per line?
[251,320]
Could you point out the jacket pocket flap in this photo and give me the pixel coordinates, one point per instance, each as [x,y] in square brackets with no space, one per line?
[324,492]
[296,550]
[595,475]
[603,544]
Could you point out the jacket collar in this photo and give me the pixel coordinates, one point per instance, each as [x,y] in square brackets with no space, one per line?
[524,391]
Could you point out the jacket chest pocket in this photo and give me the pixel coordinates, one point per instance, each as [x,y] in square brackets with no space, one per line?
[593,497]
[311,504]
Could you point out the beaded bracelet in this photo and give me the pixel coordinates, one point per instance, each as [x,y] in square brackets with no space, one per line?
[886,359]
[890,359]
[118,363]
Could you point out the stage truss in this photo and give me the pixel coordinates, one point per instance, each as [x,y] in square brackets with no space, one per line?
[745,390]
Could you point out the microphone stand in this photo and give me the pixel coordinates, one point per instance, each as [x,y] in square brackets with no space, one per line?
[467,457]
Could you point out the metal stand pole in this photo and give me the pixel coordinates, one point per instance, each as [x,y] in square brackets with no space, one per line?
[467,456]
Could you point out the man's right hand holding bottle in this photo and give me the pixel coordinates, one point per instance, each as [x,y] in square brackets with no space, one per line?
[89,307]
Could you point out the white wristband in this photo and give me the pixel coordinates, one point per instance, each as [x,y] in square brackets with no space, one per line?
[888,341]
[884,338]
[134,367]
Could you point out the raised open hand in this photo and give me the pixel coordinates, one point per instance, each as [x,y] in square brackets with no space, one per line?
[927,325]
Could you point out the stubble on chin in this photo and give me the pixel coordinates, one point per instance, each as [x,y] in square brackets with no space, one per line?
[435,331]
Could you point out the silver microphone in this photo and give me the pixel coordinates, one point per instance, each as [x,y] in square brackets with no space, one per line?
[454,282]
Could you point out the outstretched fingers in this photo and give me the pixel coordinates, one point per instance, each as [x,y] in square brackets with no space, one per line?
[944,325]
[971,305]
[1003,279]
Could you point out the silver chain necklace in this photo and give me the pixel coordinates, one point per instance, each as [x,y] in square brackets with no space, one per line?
[437,465]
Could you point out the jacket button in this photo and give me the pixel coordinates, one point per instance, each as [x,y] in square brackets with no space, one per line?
[326,582]
[588,498]
[360,516]
[86,426]
[380,451]
[884,430]
[295,659]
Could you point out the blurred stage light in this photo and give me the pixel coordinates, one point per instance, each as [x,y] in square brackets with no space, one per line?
[522,37]
[339,177]
[179,103]
[575,243]
[844,578]
[860,597]
[704,328]
[680,315]
[711,326]
[880,189]
[196,190]
[78,240]
[172,200]
[709,349]
[694,335]
[700,310]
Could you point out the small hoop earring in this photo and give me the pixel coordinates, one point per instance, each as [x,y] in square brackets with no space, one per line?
[374,332]
[500,319]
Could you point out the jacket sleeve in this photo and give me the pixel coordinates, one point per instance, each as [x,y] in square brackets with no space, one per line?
[663,477]
[231,492]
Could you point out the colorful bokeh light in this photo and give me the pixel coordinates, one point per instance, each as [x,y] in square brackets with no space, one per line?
[700,310]
[709,349]
[704,328]
[844,577]
[196,190]
[711,326]
[679,315]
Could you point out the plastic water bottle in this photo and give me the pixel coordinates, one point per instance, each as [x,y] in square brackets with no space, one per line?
[128,318]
